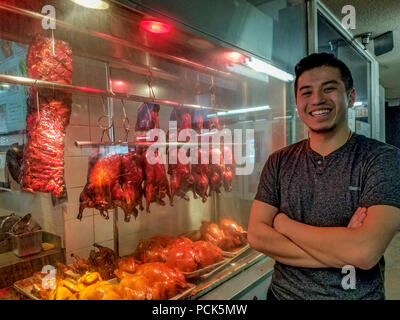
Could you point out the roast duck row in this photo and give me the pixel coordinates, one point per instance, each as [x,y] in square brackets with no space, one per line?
[123,180]
[113,180]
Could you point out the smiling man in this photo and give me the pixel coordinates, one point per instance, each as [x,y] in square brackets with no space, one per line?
[328,201]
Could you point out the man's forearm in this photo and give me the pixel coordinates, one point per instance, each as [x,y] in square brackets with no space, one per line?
[270,242]
[334,246]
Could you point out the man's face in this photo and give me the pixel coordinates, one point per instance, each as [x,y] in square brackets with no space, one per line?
[322,100]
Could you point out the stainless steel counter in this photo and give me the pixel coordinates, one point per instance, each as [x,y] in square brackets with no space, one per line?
[243,274]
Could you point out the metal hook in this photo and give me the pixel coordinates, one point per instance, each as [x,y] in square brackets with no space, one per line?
[150,84]
[37,103]
[125,122]
[52,43]
[110,122]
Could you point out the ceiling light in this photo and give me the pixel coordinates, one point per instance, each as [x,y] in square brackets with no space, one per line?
[92,4]
[235,57]
[264,67]
[156,27]
[358,104]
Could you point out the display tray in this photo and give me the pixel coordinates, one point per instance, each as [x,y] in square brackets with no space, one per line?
[195,236]
[235,252]
[25,287]
[207,271]
[180,296]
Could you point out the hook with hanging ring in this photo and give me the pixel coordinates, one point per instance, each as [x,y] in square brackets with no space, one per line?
[125,122]
[105,128]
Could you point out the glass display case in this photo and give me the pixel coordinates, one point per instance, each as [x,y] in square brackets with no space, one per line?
[89,94]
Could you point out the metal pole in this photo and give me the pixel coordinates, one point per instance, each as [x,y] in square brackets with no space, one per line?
[110,108]
[87,91]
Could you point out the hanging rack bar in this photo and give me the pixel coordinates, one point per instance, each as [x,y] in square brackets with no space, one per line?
[83,144]
[95,92]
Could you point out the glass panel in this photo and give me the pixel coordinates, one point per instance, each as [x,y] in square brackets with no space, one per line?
[123,72]
[329,40]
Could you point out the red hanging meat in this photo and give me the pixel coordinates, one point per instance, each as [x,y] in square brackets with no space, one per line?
[200,170]
[147,118]
[42,167]
[216,170]
[102,186]
[228,168]
[156,183]
[131,179]
[200,173]
[182,179]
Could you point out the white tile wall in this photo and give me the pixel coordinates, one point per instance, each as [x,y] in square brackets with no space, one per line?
[96,109]
[72,207]
[79,110]
[78,234]
[108,244]
[82,253]
[76,133]
[75,171]
[103,229]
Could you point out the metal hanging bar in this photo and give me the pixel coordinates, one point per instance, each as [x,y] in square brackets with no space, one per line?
[96,92]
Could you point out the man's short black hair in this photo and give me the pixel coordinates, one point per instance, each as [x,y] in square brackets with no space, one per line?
[316,60]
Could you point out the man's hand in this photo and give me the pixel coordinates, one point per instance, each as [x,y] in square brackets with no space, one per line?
[278,222]
[262,237]
[358,218]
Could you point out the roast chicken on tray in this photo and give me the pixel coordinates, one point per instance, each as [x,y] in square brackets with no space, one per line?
[227,235]
[178,252]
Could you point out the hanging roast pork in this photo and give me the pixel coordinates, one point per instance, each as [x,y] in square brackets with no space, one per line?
[48,113]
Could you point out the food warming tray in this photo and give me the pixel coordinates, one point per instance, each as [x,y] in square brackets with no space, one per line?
[207,271]
[195,236]
[180,296]
[235,252]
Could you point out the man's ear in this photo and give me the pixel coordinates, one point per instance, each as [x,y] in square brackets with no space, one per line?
[352,97]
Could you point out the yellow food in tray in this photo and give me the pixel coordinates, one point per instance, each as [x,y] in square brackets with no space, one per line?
[47,246]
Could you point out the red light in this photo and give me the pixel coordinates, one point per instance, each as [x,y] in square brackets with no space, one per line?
[119,86]
[157,27]
[235,57]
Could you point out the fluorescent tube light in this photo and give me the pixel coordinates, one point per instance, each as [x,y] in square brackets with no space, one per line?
[238,111]
[358,104]
[92,4]
[261,66]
